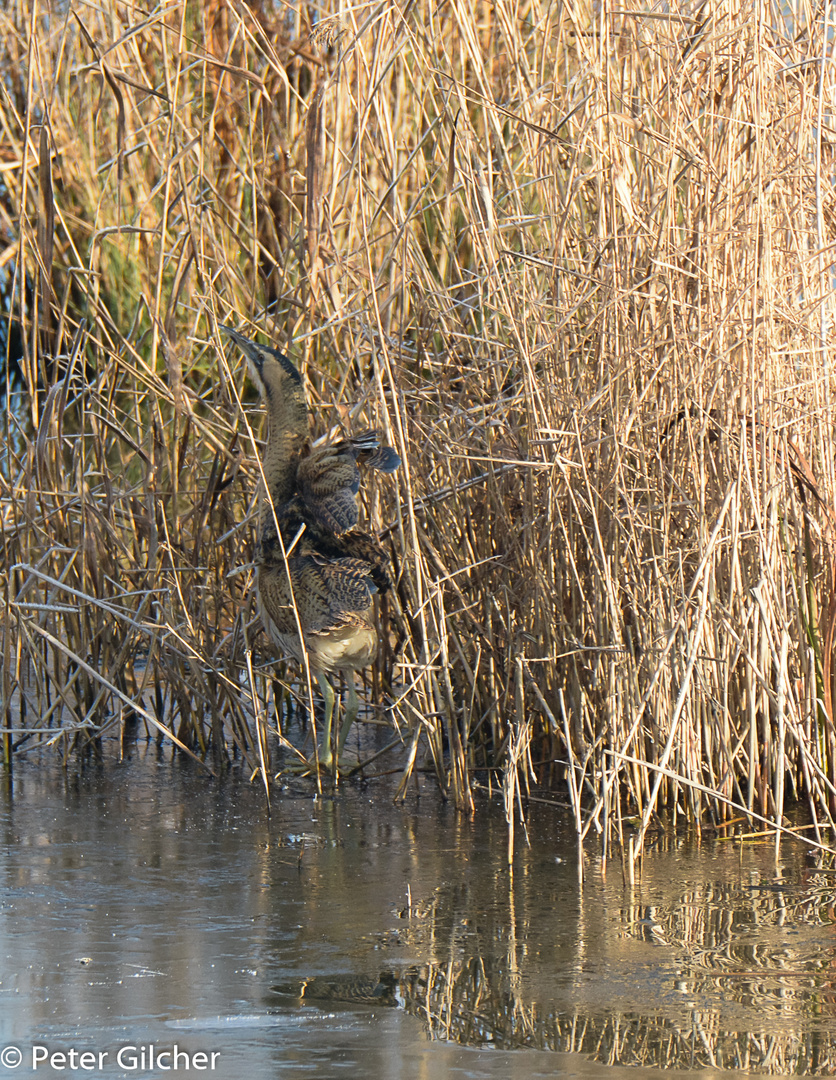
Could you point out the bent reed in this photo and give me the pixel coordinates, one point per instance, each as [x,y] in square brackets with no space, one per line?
[573,262]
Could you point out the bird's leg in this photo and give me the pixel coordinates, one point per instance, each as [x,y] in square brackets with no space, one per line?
[326,758]
[352,707]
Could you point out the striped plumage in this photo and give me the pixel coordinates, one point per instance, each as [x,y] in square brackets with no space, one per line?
[315,569]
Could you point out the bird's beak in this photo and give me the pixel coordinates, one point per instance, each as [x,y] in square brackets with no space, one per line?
[259,355]
[252,353]
[248,347]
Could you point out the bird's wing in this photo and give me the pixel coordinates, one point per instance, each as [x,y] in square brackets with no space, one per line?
[384,459]
[373,454]
[349,589]
[328,479]
[359,545]
[329,592]
[369,451]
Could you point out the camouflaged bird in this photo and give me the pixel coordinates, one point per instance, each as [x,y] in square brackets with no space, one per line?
[315,570]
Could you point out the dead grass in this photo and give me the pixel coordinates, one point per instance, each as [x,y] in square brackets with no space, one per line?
[574,262]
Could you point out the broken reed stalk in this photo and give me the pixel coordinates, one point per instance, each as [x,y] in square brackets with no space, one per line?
[568,261]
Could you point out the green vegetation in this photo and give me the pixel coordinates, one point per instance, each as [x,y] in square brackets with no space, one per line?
[573,261]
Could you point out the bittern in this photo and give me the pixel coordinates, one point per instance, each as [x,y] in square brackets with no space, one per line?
[316,572]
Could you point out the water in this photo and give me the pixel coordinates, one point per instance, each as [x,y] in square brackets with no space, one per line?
[151,917]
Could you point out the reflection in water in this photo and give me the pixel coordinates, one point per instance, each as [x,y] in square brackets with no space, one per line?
[145,902]
[356,989]
[729,944]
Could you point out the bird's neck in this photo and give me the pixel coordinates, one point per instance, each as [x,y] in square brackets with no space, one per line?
[288,429]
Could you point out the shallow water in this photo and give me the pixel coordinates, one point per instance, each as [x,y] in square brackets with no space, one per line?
[145,906]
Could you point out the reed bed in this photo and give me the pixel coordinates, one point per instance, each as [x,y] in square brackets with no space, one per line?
[574,261]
